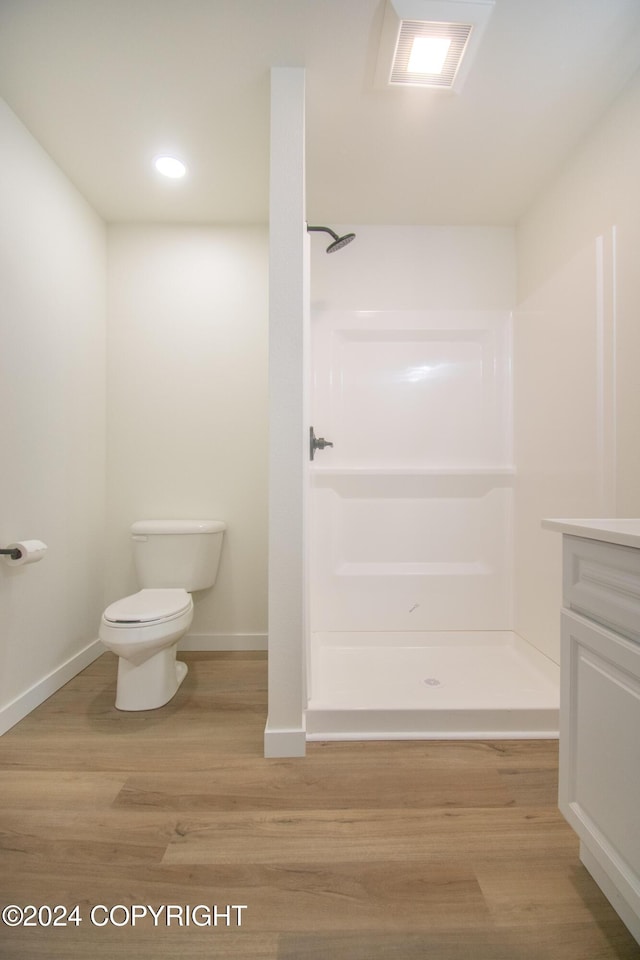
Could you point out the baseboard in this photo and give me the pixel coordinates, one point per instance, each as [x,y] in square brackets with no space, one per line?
[224,641]
[19,708]
[279,742]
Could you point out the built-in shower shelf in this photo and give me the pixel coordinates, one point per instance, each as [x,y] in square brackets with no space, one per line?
[411,471]
[411,481]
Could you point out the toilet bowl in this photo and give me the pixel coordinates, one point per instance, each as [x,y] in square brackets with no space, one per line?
[143,631]
[173,558]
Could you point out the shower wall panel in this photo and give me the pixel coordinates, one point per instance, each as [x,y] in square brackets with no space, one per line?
[411,507]
[412,388]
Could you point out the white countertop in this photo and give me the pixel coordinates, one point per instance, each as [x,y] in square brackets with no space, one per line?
[622,531]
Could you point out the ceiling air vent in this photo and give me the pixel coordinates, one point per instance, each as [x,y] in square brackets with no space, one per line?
[429,54]
[430,43]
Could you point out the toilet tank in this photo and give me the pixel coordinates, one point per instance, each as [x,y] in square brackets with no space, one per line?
[177,553]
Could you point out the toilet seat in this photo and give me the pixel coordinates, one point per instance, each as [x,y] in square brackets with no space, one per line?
[149,606]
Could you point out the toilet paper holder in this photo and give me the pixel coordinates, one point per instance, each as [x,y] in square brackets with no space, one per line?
[22,552]
[12,552]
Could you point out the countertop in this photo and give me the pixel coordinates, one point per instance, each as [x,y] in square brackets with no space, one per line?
[622,531]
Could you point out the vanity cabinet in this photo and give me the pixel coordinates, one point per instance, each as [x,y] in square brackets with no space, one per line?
[599,777]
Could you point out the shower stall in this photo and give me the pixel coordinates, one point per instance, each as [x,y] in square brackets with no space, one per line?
[410,500]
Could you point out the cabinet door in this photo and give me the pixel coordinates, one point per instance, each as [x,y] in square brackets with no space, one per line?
[600,748]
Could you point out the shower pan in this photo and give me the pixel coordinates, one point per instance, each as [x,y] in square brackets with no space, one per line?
[410,519]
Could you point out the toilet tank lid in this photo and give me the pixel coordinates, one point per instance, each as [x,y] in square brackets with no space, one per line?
[155,527]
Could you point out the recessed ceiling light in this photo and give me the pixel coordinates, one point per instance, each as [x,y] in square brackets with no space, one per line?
[170,167]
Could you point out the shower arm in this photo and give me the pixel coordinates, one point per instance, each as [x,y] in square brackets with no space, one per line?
[323,230]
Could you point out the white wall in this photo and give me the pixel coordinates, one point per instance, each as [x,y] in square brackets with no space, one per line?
[187,407]
[52,396]
[413,268]
[577,343]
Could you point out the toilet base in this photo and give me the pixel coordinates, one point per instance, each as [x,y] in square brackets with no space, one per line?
[150,684]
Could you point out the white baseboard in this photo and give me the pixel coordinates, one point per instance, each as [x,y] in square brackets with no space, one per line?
[15,711]
[224,641]
[279,742]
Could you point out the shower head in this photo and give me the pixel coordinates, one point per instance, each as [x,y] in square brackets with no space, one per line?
[338,242]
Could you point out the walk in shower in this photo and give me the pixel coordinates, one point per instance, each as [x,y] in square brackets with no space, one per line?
[411,531]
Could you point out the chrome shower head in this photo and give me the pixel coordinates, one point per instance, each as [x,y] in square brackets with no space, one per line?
[338,242]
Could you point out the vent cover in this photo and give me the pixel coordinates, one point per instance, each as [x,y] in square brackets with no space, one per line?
[457,33]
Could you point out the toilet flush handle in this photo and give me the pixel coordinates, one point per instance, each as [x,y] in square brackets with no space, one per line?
[316,443]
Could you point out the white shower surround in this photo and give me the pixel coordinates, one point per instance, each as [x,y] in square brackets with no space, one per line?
[411,532]
[411,515]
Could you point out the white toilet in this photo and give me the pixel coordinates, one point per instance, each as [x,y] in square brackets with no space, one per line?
[172,559]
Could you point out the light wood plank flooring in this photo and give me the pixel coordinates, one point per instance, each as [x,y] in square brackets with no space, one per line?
[360,851]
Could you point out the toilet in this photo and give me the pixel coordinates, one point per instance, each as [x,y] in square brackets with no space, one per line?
[173,558]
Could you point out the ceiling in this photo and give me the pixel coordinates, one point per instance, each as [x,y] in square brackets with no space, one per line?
[106,85]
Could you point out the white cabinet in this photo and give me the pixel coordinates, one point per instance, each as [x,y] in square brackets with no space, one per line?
[600,714]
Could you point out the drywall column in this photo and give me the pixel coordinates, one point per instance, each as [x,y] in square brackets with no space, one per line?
[288,313]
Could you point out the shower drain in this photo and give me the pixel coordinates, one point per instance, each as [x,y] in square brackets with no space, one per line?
[431,681]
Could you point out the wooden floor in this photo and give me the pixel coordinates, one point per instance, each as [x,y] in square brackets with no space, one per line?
[360,851]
